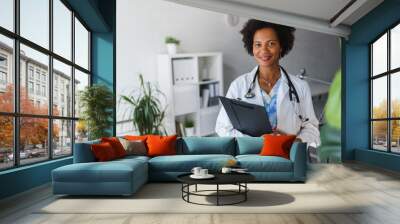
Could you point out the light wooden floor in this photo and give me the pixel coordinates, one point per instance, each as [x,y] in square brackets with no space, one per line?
[378,188]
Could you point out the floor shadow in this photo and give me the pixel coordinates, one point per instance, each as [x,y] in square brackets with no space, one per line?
[255,198]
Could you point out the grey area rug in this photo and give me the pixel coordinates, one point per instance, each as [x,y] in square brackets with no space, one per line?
[166,198]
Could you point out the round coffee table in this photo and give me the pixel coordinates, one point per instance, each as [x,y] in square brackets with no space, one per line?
[238,179]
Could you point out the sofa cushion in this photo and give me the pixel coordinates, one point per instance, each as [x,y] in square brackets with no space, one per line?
[120,170]
[185,163]
[134,147]
[249,145]
[277,145]
[103,152]
[257,163]
[116,145]
[161,145]
[206,145]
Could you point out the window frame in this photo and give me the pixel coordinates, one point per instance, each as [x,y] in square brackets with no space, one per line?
[16,114]
[388,74]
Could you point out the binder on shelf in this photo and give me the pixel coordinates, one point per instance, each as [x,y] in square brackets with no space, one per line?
[182,129]
[213,101]
[206,97]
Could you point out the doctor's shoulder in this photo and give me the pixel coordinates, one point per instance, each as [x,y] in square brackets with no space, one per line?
[300,84]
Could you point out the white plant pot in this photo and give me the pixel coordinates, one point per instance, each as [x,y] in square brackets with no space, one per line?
[172,48]
[189,131]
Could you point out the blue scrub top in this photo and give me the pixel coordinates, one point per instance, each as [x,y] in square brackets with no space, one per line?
[270,103]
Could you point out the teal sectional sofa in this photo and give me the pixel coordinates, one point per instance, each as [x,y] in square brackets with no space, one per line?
[125,176]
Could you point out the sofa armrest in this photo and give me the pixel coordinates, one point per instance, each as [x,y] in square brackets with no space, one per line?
[83,153]
[298,155]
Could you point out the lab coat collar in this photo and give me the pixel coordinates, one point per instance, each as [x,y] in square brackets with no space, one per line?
[282,91]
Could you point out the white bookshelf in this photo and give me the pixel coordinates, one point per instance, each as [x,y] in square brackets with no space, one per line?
[187,80]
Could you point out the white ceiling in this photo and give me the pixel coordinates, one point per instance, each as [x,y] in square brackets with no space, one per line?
[314,15]
[320,9]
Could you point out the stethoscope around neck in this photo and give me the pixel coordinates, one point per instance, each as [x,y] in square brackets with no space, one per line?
[293,95]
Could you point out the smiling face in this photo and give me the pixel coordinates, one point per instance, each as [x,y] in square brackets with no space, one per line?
[266,47]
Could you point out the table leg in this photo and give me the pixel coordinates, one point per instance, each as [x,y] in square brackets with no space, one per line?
[196,188]
[245,193]
[217,194]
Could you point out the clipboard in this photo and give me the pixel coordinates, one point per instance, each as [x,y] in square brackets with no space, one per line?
[250,119]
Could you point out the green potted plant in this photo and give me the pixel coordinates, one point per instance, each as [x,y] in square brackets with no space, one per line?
[172,44]
[147,114]
[96,103]
[189,127]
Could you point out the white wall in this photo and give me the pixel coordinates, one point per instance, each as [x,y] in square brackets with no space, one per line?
[143,25]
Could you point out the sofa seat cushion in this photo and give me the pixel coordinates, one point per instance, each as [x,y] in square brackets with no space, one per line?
[185,163]
[112,171]
[133,158]
[257,163]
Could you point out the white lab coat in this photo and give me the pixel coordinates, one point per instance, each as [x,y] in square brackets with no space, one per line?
[288,120]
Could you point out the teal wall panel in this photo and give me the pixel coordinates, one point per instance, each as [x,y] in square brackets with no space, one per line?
[24,178]
[103,64]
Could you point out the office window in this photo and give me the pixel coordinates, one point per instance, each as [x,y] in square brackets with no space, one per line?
[6,82]
[44,132]
[62,31]
[385,94]
[6,142]
[37,74]
[35,21]
[33,140]
[3,61]
[43,90]
[7,14]
[81,45]
[61,75]
[37,89]
[62,137]
[81,81]
[30,88]
[30,73]
[3,78]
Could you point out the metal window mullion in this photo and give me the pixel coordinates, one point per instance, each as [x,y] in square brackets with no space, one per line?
[16,83]
[389,106]
[371,99]
[73,82]
[50,81]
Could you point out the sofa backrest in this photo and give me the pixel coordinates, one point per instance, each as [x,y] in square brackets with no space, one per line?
[83,152]
[206,145]
[249,145]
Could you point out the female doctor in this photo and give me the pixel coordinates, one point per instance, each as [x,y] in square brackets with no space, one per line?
[286,98]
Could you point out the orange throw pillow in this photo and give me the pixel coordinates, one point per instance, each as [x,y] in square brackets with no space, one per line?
[136,138]
[277,145]
[103,152]
[116,145]
[161,145]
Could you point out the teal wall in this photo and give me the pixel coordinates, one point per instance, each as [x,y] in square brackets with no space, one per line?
[355,85]
[24,178]
[99,16]
[103,64]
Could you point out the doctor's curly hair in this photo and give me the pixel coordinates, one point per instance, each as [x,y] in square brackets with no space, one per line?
[285,35]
